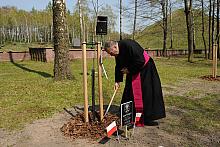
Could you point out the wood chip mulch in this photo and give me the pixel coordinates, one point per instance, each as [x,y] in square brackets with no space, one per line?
[77,128]
[210,78]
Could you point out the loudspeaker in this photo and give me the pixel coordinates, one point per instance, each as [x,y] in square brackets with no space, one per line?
[101,26]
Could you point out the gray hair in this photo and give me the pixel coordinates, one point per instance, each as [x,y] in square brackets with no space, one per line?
[109,44]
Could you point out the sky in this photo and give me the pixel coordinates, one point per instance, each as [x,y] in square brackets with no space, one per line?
[41,4]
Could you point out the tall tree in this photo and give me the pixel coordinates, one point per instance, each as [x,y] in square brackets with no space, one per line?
[82,35]
[189,23]
[203,29]
[171,25]
[135,18]
[210,20]
[49,9]
[83,13]
[61,61]
[213,27]
[163,11]
[120,20]
[164,4]
[194,32]
[217,28]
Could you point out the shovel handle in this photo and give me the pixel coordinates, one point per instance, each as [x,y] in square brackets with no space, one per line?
[110,102]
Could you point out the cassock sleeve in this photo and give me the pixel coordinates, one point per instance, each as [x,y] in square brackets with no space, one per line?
[137,60]
[118,73]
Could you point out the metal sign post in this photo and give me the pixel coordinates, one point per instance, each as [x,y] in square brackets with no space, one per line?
[100,80]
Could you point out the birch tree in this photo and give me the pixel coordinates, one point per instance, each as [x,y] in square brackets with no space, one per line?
[61,48]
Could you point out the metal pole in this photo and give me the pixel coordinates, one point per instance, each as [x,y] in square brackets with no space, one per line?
[93,81]
[93,93]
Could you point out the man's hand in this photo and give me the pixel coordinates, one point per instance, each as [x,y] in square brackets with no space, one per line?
[124,71]
[117,85]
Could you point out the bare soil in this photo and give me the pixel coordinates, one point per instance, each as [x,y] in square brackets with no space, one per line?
[47,132]
[211,78]
[95,129]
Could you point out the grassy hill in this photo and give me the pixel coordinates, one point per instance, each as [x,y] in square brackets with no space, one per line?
[152,36]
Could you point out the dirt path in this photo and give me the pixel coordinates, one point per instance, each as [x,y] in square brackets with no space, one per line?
[46,132]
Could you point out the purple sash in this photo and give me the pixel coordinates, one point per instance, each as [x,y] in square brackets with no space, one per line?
[137,92]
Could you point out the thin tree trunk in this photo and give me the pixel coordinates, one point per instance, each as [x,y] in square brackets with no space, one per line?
[84,29]
[87,33]
[1,37]
[210,19]
[120,19]
[19,33]
[213,26]
[19,37]
[188,12]
[194,32]
[61,61]
[51,32]
[12,34]
[135,17]
[164,11]
[217,35]
[35,34]
[68,35]
[30,34]
[16,34]
[9,34]
[203,30]
[48,34]
[171,27]
[73,36]
[4,36]
[45,34]
[27,39]
[82,37]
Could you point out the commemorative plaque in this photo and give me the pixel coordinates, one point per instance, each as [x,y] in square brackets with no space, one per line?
[127,113]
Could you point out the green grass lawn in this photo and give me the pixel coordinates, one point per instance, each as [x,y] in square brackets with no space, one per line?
[17,46]
[28,92]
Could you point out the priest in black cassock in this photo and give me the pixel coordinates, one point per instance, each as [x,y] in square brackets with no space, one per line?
[142,85]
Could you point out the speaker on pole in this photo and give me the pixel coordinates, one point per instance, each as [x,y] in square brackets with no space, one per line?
[101,26]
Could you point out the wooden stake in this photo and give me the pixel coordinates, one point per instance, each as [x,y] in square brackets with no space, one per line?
[126,131]
[100,80]
[214,61]
[86,115]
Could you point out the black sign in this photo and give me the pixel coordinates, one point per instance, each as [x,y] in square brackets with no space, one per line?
[102,25]
[127,113]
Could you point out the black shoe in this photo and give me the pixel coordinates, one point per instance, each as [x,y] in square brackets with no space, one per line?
[151,123]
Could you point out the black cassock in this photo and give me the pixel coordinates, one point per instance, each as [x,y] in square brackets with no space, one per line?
[131,56]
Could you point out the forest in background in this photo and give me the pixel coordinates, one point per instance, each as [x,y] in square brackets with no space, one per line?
[167,24]
[37,26]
